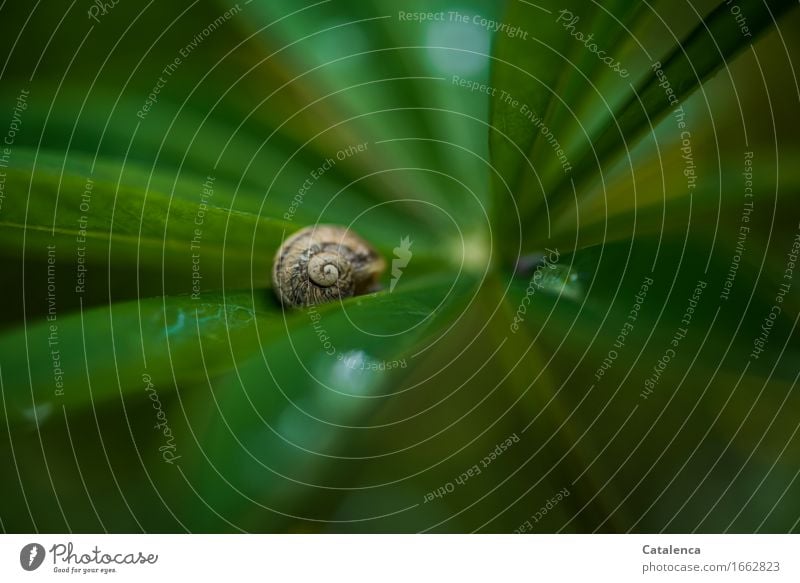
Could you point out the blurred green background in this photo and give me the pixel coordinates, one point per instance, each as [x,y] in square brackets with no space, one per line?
[571,348]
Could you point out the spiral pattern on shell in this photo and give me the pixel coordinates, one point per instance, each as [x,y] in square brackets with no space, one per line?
[324,263]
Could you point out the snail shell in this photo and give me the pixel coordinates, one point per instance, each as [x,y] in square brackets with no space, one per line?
[323,263]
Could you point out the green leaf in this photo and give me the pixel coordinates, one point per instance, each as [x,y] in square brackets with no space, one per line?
[536,78]
[602,355]
[96,354]
[275,441]
[590,120]
[89,357]
[711,44]
[93,231]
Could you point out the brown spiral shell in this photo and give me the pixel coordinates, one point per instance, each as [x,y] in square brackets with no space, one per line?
[323,263]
